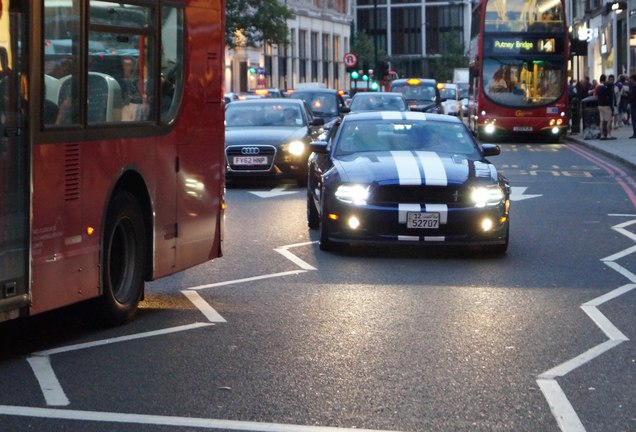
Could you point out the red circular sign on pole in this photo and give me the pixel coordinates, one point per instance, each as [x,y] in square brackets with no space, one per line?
[350,59]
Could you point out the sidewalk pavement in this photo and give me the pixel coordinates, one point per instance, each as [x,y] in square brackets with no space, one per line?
[622,149]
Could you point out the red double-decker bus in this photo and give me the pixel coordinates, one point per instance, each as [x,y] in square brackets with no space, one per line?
[518,69]
[111,149]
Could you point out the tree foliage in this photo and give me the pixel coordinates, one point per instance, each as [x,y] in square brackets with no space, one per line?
[362,46]
[453,56]
[252,23]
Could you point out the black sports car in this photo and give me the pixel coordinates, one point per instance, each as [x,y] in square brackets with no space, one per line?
[406,178]
[269,137]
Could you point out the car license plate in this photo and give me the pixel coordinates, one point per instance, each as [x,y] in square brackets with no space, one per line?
[250,160]
[422,220]
[522,128]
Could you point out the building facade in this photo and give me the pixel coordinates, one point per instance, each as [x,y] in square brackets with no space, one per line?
[319,36]
[411,32]
[603,36]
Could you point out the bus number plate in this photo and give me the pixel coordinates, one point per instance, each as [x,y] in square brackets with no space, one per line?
[250,160]
[522,129]
[422,220]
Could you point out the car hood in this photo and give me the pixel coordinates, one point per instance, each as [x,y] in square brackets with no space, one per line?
[269,135]
[414,168]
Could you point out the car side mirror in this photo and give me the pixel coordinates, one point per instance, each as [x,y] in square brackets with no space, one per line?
[319,147]
[490,149]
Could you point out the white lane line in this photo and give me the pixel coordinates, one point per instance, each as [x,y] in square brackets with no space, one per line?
[622,270]
[249,279]
[560,406]
[578,361]
[51,388]
[620,255]
[293,258]
[203,306]
[121,339]
[193,422]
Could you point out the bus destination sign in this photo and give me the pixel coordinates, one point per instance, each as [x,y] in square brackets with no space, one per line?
[522,45]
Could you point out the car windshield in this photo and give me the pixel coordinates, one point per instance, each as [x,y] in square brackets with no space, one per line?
[421,92]
[275,114]
[394,135]
[448,92]
[375,102]
[322,104]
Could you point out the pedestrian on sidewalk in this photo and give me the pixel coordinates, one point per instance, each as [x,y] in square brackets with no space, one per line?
[631,97]
[605,97]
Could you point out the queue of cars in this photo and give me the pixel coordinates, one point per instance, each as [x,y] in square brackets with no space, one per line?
[388,169]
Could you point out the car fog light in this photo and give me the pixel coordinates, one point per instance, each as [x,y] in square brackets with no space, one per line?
[555,130]
[490,128]
[486,224]
[354,222]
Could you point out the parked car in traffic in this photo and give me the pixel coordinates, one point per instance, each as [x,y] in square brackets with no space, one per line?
[378,101]
[325,103]
[269,137]
[450,99]
[420,94]
[406,179]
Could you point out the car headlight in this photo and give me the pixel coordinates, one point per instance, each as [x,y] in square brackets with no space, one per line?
[486,196]
[353,194]
[296,148]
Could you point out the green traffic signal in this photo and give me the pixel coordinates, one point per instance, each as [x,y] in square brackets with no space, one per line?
[365,77]
[355,75]
[374,85]
[252,70]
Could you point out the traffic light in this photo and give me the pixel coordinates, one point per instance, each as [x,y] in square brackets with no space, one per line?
[252,70]
[365,77]
[355,75]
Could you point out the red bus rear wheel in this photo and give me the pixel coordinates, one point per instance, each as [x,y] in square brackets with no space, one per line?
[122,259]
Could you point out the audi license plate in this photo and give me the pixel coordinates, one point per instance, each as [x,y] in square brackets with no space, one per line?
[422,220]
[522,128]
[250,160]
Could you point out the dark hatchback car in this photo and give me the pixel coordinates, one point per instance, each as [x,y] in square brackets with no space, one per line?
[406,178]
[325,103]
[421,94]
[269,137]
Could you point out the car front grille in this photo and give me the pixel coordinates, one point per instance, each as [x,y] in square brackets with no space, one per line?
[418,194]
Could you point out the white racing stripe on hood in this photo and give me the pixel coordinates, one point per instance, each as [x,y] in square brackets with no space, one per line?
[434,171]
[392,115]
[407,168]
[403,209]
[442,209]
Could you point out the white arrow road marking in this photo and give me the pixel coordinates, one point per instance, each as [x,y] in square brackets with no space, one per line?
[516,193]
[560,406]
[273,193]
[192,422]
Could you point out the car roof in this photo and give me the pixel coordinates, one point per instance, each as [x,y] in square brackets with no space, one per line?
[269,101]
[423,80]
[314,90]
[394,115]
[370,94]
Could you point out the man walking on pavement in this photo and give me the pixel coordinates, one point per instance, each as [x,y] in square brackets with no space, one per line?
[605,97]
[631,98]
